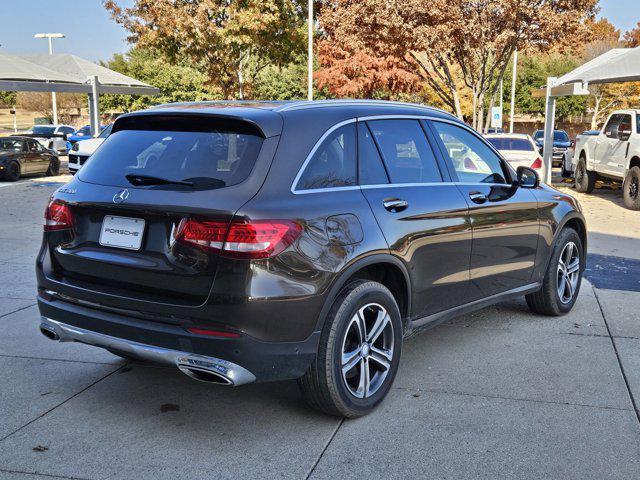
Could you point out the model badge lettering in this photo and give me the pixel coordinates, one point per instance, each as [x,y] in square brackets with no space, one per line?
[121,232]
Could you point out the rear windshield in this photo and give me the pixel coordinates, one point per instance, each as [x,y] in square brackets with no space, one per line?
[43,130]
[506,143]
[207,153]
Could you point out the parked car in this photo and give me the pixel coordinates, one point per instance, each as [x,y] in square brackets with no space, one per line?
[518,149]
[83,133]
[25,156]
[81,151]
[298,240]
[567,158]
[561,142]
[53,137]
[612,154]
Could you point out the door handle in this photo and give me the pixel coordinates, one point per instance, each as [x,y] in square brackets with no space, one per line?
[395,205]
[477,197]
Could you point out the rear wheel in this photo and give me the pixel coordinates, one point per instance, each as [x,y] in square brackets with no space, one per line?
[54,168]
[585,180]
[561,283]
[631,189]
[13,172]
[358,353]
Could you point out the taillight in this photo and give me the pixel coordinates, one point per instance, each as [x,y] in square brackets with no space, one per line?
[469,165]
[57,216]
[240,239]
[537,163]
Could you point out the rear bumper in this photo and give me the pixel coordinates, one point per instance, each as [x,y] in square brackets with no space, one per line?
[238,360]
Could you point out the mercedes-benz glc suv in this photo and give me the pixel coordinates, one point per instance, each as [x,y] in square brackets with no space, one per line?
[244,242]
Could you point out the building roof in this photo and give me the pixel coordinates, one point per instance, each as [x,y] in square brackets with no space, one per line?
[64,73]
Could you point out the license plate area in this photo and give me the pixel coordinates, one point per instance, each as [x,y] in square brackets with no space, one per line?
[122,232]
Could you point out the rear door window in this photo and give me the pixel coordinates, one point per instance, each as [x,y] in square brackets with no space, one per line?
[333,164]
[405,150]
[209,153]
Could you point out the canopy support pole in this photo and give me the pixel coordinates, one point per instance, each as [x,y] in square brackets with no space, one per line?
[549,123]
[94,109]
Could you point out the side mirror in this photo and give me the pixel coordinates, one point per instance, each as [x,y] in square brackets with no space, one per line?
[624,135]
[527,177]
[608,134]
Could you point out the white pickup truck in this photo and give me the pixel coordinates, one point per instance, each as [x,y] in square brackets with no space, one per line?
[612,154]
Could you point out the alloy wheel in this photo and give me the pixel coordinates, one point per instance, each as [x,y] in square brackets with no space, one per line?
[367,350]
[568,272]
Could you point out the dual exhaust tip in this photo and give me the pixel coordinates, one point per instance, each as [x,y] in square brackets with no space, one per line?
[197,367]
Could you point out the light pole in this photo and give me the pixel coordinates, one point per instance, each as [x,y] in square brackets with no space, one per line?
[310,52]
[49,36]
[513,89]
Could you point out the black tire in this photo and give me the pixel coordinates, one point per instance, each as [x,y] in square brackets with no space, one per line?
[547,301]
[323,386]
[54,168]
[631,189]
[12,173]
[585,180]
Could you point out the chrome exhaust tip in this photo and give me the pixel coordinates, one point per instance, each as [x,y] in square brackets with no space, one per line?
[207,376]
[49,332]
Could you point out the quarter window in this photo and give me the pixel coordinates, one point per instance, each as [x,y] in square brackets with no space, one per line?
[333,164]
[370,168]
[472,159]
[405,150]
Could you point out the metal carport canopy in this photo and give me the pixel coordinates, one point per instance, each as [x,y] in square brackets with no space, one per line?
[615,66]
[68,74]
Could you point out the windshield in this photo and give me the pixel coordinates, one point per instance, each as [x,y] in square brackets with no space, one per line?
[11,144]
[560,136]
[43,130]
[538,134]
[86,130]
[106,131]
[216,157]
[511,143]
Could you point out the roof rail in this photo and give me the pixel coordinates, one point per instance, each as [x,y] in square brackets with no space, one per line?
[299,105]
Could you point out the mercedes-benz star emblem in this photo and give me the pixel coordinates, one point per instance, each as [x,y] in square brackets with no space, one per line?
[121,196]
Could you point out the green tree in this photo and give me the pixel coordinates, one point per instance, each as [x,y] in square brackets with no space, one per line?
[177,82]
[7,99]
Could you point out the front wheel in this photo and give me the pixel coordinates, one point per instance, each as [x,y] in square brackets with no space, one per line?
[561,283]
[631,189]
[358,353]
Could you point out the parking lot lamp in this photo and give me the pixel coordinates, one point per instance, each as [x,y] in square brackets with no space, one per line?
[49,36]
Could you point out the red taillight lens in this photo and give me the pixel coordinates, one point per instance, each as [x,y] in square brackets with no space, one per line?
[240,239]
[206,234]
[469,165]
[57,216]
[537,163]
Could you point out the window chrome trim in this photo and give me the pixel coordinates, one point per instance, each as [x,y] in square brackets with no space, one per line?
[310,156]
[456,122]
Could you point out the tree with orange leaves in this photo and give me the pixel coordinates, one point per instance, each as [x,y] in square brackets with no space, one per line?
[369,45]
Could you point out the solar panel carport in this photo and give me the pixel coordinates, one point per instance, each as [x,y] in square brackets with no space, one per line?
[615,66]
[68,74]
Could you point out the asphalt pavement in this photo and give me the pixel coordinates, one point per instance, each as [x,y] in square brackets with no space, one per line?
[500,393]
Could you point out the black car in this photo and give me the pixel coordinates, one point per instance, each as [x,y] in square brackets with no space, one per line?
[25,156]
[561,142]
[244,242]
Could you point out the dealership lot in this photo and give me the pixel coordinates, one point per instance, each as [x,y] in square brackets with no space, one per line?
[497,394]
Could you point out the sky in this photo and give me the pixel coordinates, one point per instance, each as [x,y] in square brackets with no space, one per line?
[91,34]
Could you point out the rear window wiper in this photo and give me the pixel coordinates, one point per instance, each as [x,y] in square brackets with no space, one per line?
[138,180]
